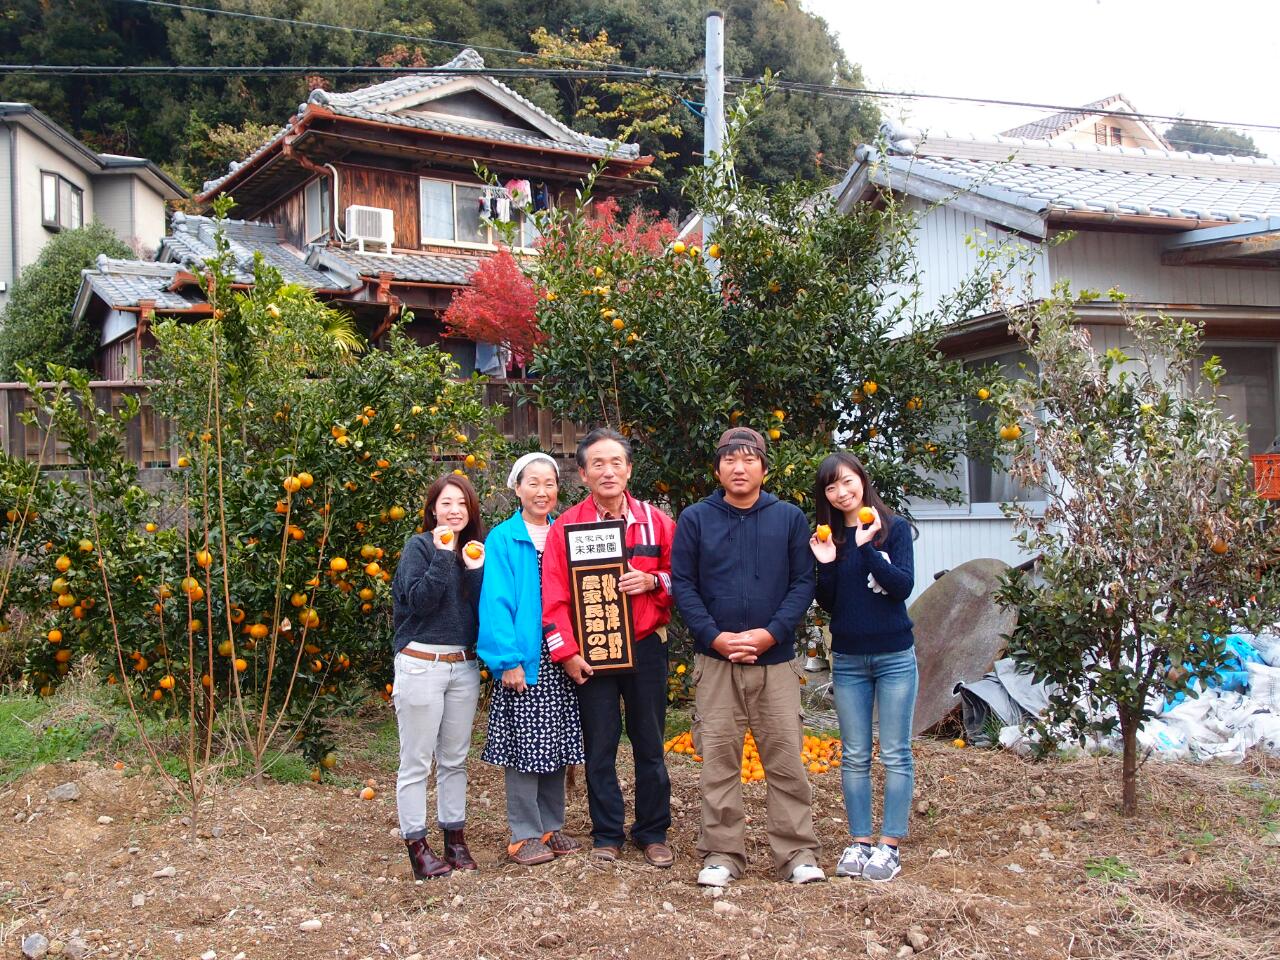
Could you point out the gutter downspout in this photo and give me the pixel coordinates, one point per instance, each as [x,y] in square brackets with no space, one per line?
[327,169]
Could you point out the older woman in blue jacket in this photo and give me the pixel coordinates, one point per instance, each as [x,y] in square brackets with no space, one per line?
[535,731]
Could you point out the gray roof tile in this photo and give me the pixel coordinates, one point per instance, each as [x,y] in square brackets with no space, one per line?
[360,104]
[127,283]
[1142,181]
[414,267]
[192,244]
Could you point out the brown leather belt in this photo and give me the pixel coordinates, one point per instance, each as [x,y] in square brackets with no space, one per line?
[456,657]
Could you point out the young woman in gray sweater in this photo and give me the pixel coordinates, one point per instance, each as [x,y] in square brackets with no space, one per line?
[435,594]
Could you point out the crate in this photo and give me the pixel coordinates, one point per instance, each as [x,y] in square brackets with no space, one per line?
[1266,475]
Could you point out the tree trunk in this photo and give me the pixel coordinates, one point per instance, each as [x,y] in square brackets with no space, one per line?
[1129,776]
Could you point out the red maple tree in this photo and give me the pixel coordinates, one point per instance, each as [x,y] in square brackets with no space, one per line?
[500,304]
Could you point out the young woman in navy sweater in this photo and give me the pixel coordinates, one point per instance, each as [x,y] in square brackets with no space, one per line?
[865,574]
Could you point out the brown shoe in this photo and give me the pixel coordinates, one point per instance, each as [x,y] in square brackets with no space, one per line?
[456,852]
[560,844]
[529,852]
[607,854]
[426,865]
[657,854]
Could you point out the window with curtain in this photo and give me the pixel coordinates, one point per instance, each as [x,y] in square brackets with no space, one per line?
[316,210]
[436,205]
[61,202]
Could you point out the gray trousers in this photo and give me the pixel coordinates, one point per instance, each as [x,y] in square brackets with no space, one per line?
[435,706]
[535,803]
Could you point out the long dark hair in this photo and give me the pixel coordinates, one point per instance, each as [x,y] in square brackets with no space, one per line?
[474,530]
[828,470]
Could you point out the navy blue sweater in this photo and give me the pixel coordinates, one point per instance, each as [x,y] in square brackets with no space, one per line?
[434,598]
[735,570]
[863,621]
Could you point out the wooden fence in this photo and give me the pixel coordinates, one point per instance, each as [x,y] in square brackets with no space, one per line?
[149,438]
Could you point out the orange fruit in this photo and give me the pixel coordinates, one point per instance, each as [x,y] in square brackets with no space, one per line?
[372,568]
[241,664]
[774,433]
[167,682]
[396,513]
[226,648]
[63,563]
[183,463]
[310,618]
[983,393]
[869,387]
[237,615]
[55,635]
[151,528]
[329,760]
[474,550]
[292,484]
[713,251]
[446,537]
[1218,546]
[866,515]
[368,793]
[298,599]
[618,323]
[366,594]
[338,564]
[204,559]
[823,533]
[66,600]
[86,546]
[306,479]
[259,631]
[678,247]
[1010,431]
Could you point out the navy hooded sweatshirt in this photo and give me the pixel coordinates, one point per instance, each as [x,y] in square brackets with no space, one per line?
[735,570]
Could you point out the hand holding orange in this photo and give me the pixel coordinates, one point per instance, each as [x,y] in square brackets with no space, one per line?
[823,532]
[866,515]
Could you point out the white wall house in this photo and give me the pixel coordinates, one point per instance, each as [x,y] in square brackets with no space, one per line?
[1195,236]
[50,181]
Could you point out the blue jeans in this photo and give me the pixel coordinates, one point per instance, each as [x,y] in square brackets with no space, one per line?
[887,681]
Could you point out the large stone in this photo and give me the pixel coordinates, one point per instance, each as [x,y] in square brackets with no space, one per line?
[960,632]
[65,792]
[35,946]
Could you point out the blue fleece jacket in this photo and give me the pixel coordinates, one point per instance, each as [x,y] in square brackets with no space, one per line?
[863,621]
[734,570]
[511,601]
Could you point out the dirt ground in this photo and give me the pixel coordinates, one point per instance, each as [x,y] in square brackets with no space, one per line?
[997,865]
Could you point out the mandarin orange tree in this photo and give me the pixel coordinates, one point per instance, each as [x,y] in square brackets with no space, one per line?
[252,596]
[1153,545]
[798,319]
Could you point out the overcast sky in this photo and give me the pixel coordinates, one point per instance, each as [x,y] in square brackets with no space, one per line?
[1214,60]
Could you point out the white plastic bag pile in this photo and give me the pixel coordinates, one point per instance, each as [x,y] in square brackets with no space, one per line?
[1215,725]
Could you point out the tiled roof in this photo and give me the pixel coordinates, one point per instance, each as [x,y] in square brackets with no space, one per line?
[127,283]
[413,267]
[364,104]
[1042,177]
[192,243]
[1046,128]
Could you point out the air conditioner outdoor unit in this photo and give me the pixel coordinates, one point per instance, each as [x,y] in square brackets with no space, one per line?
[370,225]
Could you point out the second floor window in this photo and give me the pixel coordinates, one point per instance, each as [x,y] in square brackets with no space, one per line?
[61,202]
[451,213]
[316,210]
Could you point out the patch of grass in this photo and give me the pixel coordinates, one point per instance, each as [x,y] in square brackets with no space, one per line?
[1110,869]
[25,742]
[282,766]
[1202,839]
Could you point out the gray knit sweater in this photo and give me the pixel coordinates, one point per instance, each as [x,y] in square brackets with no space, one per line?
[435,598]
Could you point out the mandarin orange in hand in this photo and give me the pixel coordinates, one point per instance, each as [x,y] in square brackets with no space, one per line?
[474,550]
[866,515]
[823,533]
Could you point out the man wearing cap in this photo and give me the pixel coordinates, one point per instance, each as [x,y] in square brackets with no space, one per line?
[743,578]
[604,463]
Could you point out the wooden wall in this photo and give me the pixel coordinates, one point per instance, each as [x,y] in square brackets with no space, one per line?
[290,213]
[391,189]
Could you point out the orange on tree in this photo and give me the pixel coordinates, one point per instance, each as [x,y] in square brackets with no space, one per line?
[678,247]
[373,569]
[306,479]
[338,564]
[984,393]
[869,387]
[226,648]
[204,559]
[151,528]
[298,599]
[63,563]
[183,463]
[167,682]
[241,664]
[86,546]
[292,484]
[396,513]
[259,631]
[1010,431]
[55,635]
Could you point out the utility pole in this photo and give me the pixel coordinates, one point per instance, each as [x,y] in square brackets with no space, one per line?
[713,109]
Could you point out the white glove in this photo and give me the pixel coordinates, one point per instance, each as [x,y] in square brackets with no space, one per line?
[872,584]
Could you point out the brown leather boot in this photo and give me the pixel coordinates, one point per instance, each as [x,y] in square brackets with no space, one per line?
[456,852]
[426,865]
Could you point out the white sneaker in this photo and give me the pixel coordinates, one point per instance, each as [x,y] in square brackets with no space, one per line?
[714,875]
[806,873]
[853,859]
[884,864]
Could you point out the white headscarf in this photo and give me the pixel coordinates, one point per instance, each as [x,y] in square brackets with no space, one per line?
[518,467]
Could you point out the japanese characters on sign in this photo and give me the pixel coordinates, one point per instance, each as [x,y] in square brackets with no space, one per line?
[602,613]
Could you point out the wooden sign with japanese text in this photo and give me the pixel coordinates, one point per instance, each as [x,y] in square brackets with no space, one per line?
[601,612]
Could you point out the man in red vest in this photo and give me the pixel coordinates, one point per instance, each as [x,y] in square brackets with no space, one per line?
[604,463]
